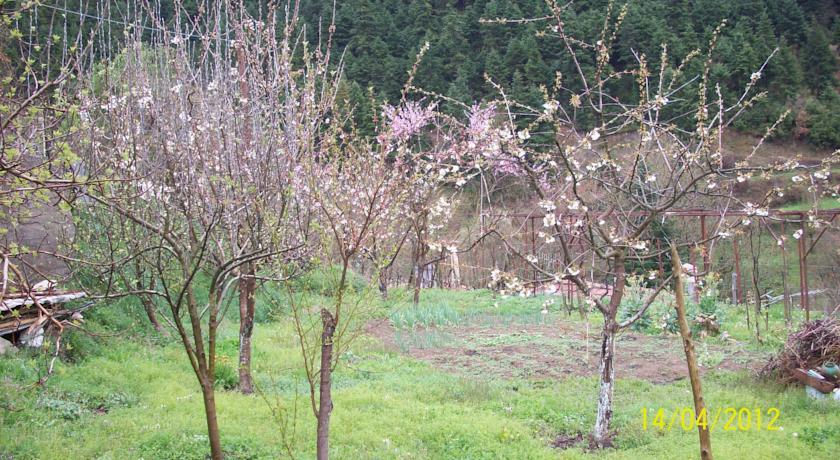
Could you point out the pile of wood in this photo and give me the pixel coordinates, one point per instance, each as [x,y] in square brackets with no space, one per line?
[818,342]
[24,317]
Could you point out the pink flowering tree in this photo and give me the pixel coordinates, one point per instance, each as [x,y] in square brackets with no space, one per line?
[440,152]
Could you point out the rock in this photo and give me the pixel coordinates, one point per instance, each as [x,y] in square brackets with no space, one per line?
[6,347]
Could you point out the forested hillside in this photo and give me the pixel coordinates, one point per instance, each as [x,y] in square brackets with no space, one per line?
[382,39]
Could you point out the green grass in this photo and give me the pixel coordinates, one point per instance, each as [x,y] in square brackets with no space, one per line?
[824,203]
[133,397]
[450,308]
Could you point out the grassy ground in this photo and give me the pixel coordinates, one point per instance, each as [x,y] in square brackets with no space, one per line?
[134,396]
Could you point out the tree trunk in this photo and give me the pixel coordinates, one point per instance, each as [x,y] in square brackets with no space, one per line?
[690,358]
[325,404]
[150,312]
[147,303]
[601,434]
[247,291]
[383,284]
[212,423]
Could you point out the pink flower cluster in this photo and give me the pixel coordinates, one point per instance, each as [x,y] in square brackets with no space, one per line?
[406,120]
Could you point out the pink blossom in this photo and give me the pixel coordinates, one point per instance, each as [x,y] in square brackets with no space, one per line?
[480,120]
[407,120]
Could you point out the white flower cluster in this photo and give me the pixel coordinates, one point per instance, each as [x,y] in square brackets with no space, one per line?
[548,238]
[822,175]
[547,205]
[506,284]
[753,210]
[545,305]
[549,220]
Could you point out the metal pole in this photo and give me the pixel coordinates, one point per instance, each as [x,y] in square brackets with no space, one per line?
[738,282]
[534,253]
[696,288]
[803,271]
[703,237]
[569,287]
[785,287]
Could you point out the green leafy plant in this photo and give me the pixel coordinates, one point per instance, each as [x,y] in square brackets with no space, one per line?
[227,376]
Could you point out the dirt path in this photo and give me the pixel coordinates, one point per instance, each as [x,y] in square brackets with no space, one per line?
[555,350]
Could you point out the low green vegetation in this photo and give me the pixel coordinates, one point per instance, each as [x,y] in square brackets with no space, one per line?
[133,395]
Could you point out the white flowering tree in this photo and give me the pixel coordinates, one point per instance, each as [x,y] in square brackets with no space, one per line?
[605,186]
[202,134]
[358,198]
[366,195]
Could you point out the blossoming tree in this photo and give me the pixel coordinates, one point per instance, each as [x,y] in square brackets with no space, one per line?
[201,133]
[603,187]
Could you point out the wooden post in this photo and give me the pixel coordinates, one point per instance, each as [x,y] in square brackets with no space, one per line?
[690,357]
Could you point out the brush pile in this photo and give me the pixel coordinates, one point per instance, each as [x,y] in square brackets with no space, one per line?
[816,343]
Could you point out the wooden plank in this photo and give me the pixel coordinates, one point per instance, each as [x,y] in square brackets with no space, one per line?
[8,305]
[823,386]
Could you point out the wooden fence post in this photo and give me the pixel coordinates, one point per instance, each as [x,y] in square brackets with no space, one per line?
[691,359]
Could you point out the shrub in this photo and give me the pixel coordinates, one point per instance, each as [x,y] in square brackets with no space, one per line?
[324,281]
[629,308]
[68,410]
[227,375]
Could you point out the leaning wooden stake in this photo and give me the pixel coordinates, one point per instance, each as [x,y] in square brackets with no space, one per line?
[690,357]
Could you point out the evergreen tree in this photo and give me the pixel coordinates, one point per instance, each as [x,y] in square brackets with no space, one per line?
[818,60]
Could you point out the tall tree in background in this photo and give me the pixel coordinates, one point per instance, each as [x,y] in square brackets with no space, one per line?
[819,60]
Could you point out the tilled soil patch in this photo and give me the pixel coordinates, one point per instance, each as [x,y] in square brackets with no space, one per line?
[559,349]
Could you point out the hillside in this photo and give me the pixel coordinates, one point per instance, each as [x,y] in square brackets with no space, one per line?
[381,39]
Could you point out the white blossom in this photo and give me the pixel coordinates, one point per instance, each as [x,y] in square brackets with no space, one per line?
[549,219]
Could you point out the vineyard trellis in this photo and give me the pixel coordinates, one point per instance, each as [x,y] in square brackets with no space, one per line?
[475,267]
